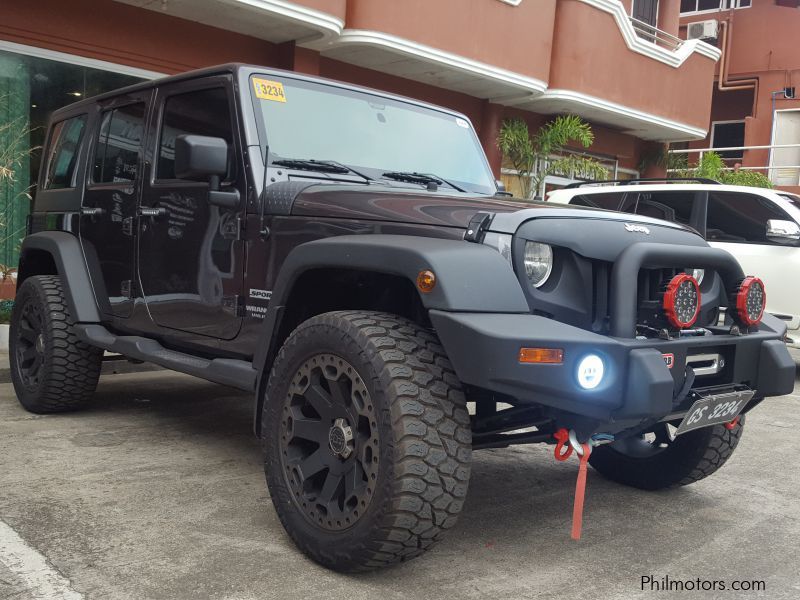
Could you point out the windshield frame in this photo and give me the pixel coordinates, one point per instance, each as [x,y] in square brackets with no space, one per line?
[263,142]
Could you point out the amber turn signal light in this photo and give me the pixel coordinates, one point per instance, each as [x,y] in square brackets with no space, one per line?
[548,356]
[426,281]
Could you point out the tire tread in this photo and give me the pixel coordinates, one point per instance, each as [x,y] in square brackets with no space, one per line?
[432,437]
[72,368]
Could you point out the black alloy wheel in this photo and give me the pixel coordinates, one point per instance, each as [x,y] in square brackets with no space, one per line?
[51,368]
[367,439]
[329,442]
[29,348]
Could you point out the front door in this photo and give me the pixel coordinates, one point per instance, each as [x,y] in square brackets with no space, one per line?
[113,184]
[737,222]
[646,11]
[190,255]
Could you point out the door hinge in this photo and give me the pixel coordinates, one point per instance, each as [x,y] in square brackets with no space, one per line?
[233,305]
[127,226]
[126,288]
[232,229]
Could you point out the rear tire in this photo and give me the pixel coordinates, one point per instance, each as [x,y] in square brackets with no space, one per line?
[367,440]
[683,460]
[52,370]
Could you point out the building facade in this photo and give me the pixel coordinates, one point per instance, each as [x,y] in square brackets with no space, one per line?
[755,104]
[617,63]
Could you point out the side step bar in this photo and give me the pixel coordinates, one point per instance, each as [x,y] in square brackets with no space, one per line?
[227,371]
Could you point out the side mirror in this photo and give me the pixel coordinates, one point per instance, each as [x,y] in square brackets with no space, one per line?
[784,232]
[199,157]
[204,158]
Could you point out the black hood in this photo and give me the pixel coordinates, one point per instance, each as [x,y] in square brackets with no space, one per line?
[402,205]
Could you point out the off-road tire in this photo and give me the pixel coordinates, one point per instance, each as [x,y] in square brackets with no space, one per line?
[690,457]
[424,439]
[68,369]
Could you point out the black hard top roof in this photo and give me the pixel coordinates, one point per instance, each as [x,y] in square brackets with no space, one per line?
[235,69]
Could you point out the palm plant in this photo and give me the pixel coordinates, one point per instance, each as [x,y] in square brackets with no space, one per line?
[532,157]
[712,166]
[15,155]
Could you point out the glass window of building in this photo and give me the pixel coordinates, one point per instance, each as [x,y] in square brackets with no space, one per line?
[31,88]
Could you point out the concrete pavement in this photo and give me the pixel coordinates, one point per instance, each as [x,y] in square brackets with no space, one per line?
[157,492]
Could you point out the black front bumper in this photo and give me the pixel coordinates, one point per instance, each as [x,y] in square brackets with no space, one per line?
[637,388]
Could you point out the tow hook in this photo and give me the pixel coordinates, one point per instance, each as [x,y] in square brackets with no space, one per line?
[567,442]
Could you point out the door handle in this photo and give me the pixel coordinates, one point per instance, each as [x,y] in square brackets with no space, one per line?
[153,212]
[92,211]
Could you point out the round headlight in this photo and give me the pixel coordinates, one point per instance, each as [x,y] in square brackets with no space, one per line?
[538,262]
[681,302]
[751,299]
[590,371]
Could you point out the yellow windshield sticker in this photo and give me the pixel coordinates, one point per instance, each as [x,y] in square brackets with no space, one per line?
[269,90]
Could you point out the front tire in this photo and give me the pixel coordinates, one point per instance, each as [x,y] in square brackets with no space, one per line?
[52,370]
[658,460]
[367,440]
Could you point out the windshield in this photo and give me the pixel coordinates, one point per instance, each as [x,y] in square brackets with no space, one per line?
[311,121]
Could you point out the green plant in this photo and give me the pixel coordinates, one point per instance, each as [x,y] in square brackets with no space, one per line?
[6,271]
[748,178]
[712,166]
[15,188]
[532,156]
[6,306]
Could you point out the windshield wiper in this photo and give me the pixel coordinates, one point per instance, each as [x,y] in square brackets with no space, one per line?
[420,178]
[323,166]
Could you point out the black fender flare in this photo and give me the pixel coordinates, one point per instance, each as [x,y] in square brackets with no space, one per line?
[470,277]
[65,250]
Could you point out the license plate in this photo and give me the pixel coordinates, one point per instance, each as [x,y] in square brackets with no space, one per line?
[714,409]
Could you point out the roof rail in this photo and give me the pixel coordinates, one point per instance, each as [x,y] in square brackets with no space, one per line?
[705,180]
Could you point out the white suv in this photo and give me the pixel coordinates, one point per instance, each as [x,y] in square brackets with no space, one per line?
[760,227]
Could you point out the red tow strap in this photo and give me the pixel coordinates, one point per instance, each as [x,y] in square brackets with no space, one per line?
[580,493]
[562,437]
[732,424]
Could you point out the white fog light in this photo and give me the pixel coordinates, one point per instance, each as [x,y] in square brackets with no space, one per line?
[590,371]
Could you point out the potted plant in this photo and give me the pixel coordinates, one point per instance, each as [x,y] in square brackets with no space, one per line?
[536,157]
[8,282]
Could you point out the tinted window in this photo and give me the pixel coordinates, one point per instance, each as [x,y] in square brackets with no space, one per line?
[795,200]
[606,201]
[116,157]
[203,112]
[65,139]
[740,217]
[671,206]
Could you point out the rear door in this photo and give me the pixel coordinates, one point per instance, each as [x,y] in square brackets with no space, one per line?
[737,222]
[113,184]
[190,252]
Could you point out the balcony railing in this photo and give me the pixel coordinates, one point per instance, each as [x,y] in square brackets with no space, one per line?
[787,175]
[655,35]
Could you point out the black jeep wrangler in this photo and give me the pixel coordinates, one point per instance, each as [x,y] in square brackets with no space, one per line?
[345,255]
